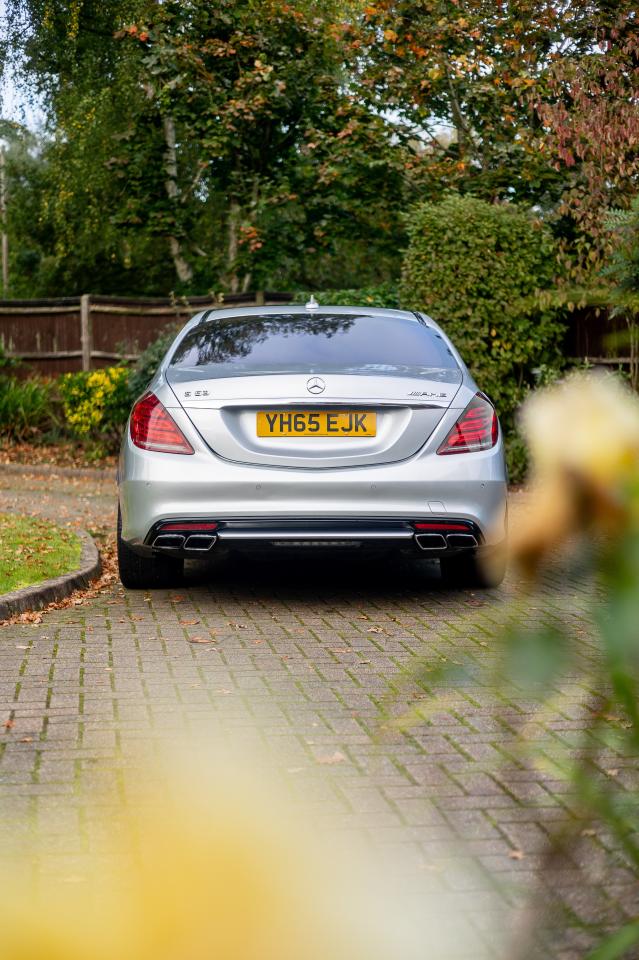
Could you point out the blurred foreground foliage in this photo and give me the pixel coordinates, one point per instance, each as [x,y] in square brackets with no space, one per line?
[583,513]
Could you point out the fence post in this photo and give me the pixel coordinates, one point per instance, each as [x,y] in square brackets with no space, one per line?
[85,330]
[259,298]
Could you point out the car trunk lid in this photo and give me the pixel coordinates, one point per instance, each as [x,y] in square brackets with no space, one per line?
[405,412]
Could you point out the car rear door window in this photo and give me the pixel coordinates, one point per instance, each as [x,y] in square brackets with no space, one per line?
[322,343]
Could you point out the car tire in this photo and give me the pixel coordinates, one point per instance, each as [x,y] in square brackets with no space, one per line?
[470,570]
[139,573]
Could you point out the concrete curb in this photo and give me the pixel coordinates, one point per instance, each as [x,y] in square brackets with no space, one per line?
[50,469]
[38,595]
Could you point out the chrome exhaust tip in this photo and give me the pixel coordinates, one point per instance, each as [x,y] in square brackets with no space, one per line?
[200,542]
[169,541]
[430,541]
[461,540]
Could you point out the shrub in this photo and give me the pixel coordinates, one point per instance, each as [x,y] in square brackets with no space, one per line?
[26,407]
[7,362]
[480,270]
[96,404]
[150,359]
[382,295]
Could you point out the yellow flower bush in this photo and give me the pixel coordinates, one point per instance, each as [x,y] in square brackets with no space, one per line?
[96,403]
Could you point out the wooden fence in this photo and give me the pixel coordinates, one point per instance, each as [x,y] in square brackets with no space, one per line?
[82,333]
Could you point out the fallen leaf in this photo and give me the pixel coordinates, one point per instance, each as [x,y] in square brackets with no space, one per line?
[8,724]
[25,740]
[177,599]
[374,630]
[202,640]
[516,854]
[189,623]
[336,757]
[240,626]
[613,772]
[588,832]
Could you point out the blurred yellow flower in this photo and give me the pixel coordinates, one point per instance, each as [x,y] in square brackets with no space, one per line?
[583,438]
[215,863]
[588,425]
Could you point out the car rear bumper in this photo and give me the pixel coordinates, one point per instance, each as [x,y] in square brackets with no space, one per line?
[191,537]
[156,487]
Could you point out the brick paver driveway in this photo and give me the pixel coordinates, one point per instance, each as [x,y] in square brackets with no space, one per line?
[307,659]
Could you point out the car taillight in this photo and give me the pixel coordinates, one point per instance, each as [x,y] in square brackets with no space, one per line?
[476,429]
[153,428]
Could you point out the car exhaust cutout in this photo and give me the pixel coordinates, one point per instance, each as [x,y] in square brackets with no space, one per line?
[443,534]
[430,541]
[169,541]
[461,540]
[200,543]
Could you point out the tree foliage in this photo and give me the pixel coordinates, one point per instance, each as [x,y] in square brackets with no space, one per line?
[588,106]
[219,139]
[460,79]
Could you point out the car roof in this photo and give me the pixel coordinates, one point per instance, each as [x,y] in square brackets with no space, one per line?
[300,309]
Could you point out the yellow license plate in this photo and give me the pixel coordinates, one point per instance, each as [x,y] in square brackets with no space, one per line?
[310,423]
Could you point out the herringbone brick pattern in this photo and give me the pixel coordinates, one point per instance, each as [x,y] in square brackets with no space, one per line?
[308,667]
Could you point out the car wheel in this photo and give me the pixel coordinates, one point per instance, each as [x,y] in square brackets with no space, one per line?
[469,570]
[138,573]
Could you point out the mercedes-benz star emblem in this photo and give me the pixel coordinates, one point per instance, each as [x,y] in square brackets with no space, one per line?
[315,385]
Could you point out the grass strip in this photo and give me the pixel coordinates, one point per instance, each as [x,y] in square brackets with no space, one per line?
[34,549]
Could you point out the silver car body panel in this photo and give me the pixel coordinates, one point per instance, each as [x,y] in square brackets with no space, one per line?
[235,475]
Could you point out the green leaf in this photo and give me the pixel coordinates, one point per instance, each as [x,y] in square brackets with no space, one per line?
[617,944]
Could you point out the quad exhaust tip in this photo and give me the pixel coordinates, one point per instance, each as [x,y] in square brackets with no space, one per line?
[430,541]
[442,535]
[169,541]
[191,536]
[200,542]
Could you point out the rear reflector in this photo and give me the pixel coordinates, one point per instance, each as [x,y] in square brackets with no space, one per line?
[153,428]
[476,429]
[464,527]
[188,525]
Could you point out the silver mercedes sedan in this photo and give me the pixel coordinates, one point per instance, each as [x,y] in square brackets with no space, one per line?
[307,429]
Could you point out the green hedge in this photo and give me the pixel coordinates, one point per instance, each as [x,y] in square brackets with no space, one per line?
[383,295]
[481,270]
[149,360]
[27,407]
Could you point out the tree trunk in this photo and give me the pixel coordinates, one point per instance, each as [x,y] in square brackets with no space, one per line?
[182,266]
[233,281]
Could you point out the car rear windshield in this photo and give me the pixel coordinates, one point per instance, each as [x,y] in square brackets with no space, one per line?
[324,343]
